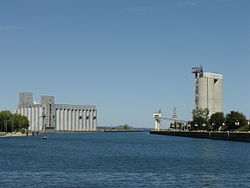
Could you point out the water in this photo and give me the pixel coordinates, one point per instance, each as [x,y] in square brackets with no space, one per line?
[122,160]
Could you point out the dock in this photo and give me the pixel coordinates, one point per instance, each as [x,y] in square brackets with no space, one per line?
[230,136]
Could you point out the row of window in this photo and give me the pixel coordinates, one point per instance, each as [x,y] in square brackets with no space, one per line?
[80,117]
[73,110]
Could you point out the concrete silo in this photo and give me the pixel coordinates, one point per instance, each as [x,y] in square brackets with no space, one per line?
[208,90]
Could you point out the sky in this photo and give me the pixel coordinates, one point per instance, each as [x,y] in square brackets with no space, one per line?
[127,57]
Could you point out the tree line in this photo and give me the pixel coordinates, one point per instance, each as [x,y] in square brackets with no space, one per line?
[232,121]
[13,122]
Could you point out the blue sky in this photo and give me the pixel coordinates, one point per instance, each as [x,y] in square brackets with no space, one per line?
[127,57]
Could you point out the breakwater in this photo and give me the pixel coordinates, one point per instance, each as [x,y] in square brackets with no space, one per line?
[231,136]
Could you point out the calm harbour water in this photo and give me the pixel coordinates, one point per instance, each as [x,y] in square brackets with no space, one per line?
[122,160]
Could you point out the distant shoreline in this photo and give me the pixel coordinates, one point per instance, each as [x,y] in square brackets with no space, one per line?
[35,133]
[123,130]
[98,130]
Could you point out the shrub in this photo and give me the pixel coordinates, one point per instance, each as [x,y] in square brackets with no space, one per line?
[23,130]
[244,128]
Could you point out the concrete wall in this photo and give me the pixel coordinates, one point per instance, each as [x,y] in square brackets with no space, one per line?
[218,92]
[60,118]
[34,115]
[231,136]
[209,93]
[75,118]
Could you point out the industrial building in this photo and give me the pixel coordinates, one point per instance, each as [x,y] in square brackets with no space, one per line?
[56,117]
[208,90]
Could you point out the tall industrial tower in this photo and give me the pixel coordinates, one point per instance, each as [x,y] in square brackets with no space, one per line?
[208,90]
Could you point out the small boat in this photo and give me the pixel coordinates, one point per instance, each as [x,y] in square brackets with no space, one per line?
[45,137]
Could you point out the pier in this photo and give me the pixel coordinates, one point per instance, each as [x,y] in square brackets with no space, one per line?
[231,136]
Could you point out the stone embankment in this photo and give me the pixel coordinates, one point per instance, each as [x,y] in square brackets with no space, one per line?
[231,136]
[17,134]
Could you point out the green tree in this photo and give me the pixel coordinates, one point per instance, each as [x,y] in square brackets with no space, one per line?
[244,128]
[176,125]
[1,122]
[234,120]
[23,121]
[19,122]
[216,120]
[5,121]
[200,118]
[12,122]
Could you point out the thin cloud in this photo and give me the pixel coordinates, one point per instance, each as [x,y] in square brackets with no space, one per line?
[8,28]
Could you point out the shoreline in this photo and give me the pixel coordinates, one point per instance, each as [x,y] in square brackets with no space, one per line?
[229,136]
[97,130]
[13,135]
[35,133]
